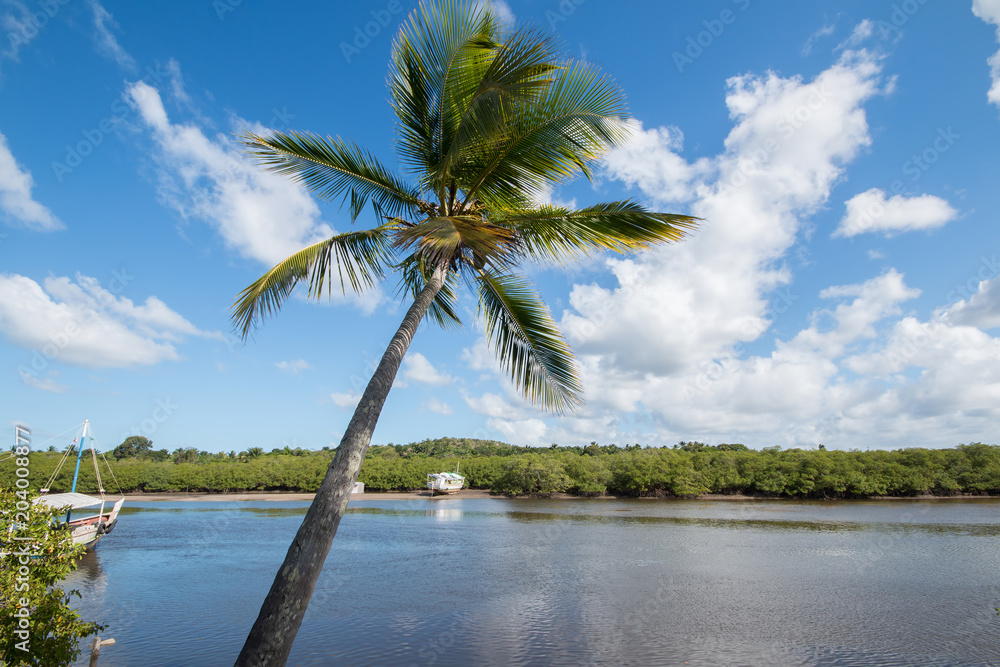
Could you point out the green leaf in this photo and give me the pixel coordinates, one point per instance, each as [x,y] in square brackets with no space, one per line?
[579,118]
[361,255]
[333,168]
[552,234]
[528,343]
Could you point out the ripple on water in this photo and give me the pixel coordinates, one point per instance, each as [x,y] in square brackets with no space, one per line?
[498,582]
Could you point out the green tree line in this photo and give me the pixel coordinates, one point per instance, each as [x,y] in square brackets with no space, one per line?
[684,470]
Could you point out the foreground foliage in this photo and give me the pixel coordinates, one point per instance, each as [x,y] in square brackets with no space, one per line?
[684,470]
[37,625]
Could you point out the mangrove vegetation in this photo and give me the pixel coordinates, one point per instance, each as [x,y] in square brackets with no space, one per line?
[682,470]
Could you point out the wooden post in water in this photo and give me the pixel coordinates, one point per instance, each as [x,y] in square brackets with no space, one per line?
[95,649]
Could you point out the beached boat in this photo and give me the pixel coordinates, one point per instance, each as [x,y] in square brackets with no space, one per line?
[86,530]
[445,482]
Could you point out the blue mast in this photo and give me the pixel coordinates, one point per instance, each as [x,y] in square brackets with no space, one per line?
[79,455]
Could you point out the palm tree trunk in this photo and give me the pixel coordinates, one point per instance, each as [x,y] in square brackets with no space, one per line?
[273,632]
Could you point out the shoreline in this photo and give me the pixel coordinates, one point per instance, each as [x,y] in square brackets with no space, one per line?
[287,496]
[246,496]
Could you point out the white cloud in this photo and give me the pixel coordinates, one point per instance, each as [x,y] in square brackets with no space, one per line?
[20,26]
[438,406]
[177,84]
[862,32]
[418,369]
[874,300]
[682,306]
[870,211]
[494,405]
[989,11]
[500,9]
[293,367]
[981,310]
[824,31]
[16,204]
[480,357]
[261,215]
[650,160]
[521,432]
[44,384]
[345,401]
[83,324]
[107,43]
[662,354]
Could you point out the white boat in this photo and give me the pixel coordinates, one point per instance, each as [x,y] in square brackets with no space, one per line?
[442,483]
[86,530]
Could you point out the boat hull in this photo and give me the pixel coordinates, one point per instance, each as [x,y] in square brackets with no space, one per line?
[444,483]
[88,532]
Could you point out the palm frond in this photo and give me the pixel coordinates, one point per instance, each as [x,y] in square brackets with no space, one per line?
[581,116]
[528,343]
[333,168]
[553,234]
[436,45]
[484,103]
[362,256]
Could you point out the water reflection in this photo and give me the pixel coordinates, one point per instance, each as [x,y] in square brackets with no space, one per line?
[780,524]
[563,583]
[89,568]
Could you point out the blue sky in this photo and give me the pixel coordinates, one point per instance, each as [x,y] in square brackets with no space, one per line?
[842,290]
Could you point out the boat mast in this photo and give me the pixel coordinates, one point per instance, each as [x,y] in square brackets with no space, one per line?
[79,455]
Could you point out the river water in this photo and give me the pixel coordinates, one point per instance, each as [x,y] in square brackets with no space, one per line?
[562,582]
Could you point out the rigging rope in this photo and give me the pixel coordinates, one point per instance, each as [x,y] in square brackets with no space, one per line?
[71,428]
[97,470]
[48,484]
[110,471]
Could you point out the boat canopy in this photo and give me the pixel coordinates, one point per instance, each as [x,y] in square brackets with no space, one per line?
[68,500]
[447,475]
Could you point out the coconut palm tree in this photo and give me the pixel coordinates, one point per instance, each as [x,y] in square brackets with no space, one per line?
[490,118]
